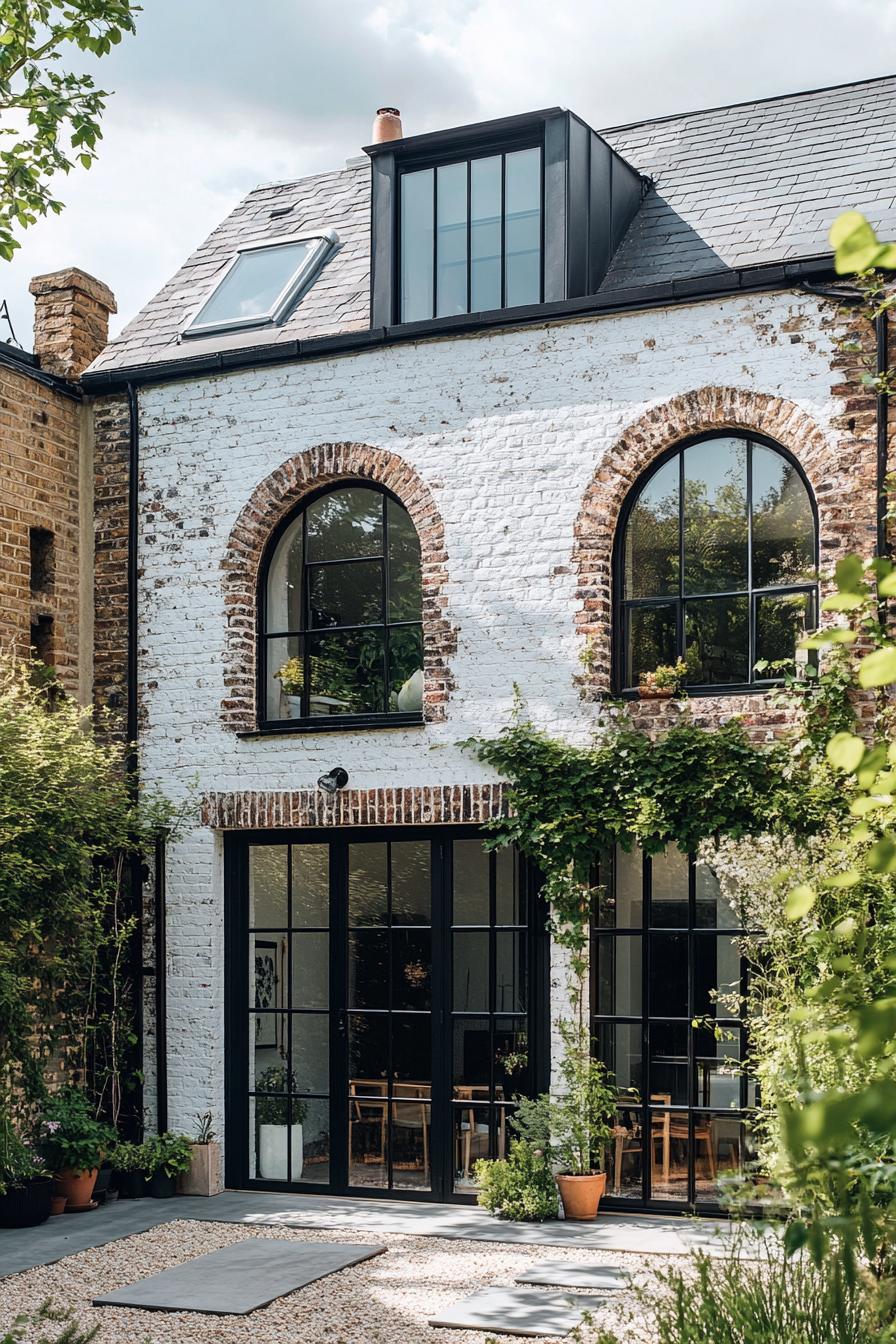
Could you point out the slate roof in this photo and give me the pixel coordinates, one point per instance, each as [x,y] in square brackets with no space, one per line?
[732,187]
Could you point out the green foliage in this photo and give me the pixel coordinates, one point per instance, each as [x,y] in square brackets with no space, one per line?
[132,1157]
[50,117]
[742,1300]
[168,1153]
[275,1110]
[19,1160]
[67,827]
[571,805]
[29,1327]
[69,1136]
[204,1132]
[857,247]
[519,1186]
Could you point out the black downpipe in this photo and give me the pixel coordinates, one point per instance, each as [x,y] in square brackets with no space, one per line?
[131,759]
[882,335]
[161,985]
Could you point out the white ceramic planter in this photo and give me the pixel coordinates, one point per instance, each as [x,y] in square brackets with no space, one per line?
[273,1162]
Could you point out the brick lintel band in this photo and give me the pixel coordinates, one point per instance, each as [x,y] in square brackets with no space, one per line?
[423,805]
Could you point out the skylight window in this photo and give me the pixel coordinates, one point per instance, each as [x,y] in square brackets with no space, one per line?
[261,284]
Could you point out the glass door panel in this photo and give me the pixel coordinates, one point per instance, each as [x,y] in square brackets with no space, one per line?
[667,980]
[490,995]
[381,1009]
[388,1006]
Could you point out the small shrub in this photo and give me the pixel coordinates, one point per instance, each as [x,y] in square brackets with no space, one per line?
[132,1157]
[520,1186]
[169,1153]
[735,1300]
[204,1132]
[24,1328]
[70,1136]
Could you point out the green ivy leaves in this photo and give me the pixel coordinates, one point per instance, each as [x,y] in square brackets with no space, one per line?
[857,247]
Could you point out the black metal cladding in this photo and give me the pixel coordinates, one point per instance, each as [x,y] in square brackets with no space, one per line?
[590,196]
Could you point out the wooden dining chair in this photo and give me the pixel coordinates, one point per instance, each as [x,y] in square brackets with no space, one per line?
[411,1113]
[368,1105]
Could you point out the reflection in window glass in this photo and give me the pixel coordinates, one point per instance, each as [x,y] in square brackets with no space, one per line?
[471,882]
[669,908]
[717,634]
[522,227]
[416,245]
[783,523]
[348,564]
[619,976]
[451,240]
[740,515]
[268,868]
[651,537]
[621,897]
[652,637]
[485,233]
[471,235]
[782,621]
[715,516]
[249,291]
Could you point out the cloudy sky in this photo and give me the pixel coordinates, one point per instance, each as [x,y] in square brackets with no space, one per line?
[213,97]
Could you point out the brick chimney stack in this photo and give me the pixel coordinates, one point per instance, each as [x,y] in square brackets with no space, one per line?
[71,320]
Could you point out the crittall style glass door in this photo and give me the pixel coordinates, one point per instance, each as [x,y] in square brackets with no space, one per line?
[668,982]
[382,991]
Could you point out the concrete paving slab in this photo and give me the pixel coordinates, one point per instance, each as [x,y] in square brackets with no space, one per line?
[568,1274]
[517,1311]
[238,1279]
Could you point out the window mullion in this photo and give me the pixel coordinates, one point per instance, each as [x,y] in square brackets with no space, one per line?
[385,606]
[680,625]
[305,621]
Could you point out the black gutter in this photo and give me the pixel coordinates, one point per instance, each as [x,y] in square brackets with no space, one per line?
[711,285]
[22,361]
[131,757]
[161,985]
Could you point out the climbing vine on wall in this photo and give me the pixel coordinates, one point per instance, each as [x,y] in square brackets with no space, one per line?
[571,805]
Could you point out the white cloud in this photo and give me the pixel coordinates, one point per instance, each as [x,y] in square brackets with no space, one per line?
[215,96]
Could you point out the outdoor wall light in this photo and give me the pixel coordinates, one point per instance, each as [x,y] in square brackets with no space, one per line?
[337,778]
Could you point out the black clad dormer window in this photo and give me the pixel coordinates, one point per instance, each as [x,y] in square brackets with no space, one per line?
[471,235]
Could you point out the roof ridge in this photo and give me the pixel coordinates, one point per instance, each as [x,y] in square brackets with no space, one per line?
[748,102]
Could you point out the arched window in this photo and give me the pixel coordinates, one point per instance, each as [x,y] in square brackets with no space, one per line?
[341,632]
[715,563]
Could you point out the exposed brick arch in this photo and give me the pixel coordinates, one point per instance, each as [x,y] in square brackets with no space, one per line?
[276,496]
[838,481]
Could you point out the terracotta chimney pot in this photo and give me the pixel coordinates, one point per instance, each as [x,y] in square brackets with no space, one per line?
[387,125]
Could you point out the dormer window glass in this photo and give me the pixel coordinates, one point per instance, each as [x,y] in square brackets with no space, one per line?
[471,235]
[261,284]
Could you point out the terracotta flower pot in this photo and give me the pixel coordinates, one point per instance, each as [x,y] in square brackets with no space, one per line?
[57,1205]
[581,1195]
[655,692]
[77,1186]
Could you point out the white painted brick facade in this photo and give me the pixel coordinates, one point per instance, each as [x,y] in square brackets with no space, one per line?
[507,430]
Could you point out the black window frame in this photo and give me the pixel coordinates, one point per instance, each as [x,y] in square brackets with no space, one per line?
[501,147]
[604,881]
[336,722]
[623,605]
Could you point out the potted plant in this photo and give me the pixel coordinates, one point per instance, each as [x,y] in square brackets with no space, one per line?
[583,1118]
[204,1174]
[520,1186]
[73,1143]
[664,682]
[291,676]
[168,1156]
[272,1118]
[575,1127]
[132,1165]
[26,1187]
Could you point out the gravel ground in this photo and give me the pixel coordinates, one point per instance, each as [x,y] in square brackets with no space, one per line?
[386,1300]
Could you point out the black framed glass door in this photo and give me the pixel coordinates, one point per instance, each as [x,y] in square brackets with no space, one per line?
[387,999]
[668,982]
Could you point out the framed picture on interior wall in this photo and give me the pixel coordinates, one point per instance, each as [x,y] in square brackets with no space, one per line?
[267,995]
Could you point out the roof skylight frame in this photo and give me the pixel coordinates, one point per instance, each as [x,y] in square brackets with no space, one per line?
[301,279]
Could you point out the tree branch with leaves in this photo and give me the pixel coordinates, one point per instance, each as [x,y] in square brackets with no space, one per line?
[49,115]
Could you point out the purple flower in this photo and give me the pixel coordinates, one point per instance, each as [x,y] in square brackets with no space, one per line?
[51,1126]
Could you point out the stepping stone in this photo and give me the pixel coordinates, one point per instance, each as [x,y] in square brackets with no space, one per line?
[568,1274]
[240,1278]
[517,1311]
